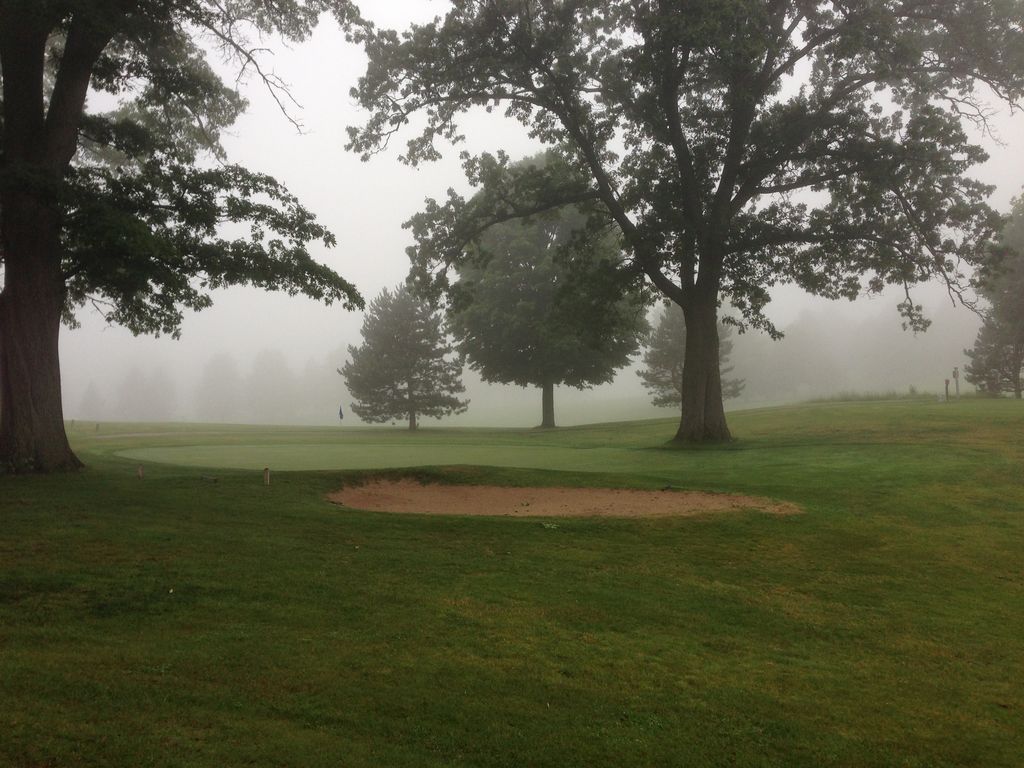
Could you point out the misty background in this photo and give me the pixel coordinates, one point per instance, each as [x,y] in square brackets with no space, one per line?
[267,358]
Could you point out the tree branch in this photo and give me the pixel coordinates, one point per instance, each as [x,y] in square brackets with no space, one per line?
[85,42]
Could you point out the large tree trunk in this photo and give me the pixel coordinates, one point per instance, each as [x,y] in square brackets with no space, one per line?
[703,415]
[38,144]
[547,398]
[32,436]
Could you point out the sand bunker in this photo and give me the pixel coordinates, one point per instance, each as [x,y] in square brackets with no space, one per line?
[487,500]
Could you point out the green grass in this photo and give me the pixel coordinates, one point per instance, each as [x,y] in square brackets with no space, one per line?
[892,394]
[197,618]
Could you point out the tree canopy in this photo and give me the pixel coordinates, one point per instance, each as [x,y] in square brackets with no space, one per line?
[663,358]
[737,144]
[404,368]
[137,210]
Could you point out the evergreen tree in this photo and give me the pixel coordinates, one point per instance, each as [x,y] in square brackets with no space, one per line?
[541,303]
[402,370]
[663,376]
[996,360]
[998,353]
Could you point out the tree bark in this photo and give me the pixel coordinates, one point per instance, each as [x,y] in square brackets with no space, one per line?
[703,412]
[35,156]
[32,436]
[38,144]
[547,399]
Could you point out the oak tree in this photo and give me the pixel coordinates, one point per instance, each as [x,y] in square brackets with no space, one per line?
[736,144]
[127,209]
[404,369]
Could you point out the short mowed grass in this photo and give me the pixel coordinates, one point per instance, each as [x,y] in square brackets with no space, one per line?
[198,618]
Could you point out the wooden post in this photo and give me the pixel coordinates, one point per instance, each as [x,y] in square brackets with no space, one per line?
[947,390]
[140,472]
[266,475]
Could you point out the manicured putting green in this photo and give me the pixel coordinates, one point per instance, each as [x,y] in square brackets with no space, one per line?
[369,456]
[780,451]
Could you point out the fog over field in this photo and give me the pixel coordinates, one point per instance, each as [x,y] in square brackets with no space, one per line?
[829,348]
[269,358]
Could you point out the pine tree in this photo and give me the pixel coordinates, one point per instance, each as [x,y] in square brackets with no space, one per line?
[998,353]
[402,370]
[996,360]
[663,376]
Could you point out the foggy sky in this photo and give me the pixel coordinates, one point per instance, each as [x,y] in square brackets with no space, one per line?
[281,352]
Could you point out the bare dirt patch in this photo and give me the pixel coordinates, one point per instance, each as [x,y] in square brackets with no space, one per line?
[488,500]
